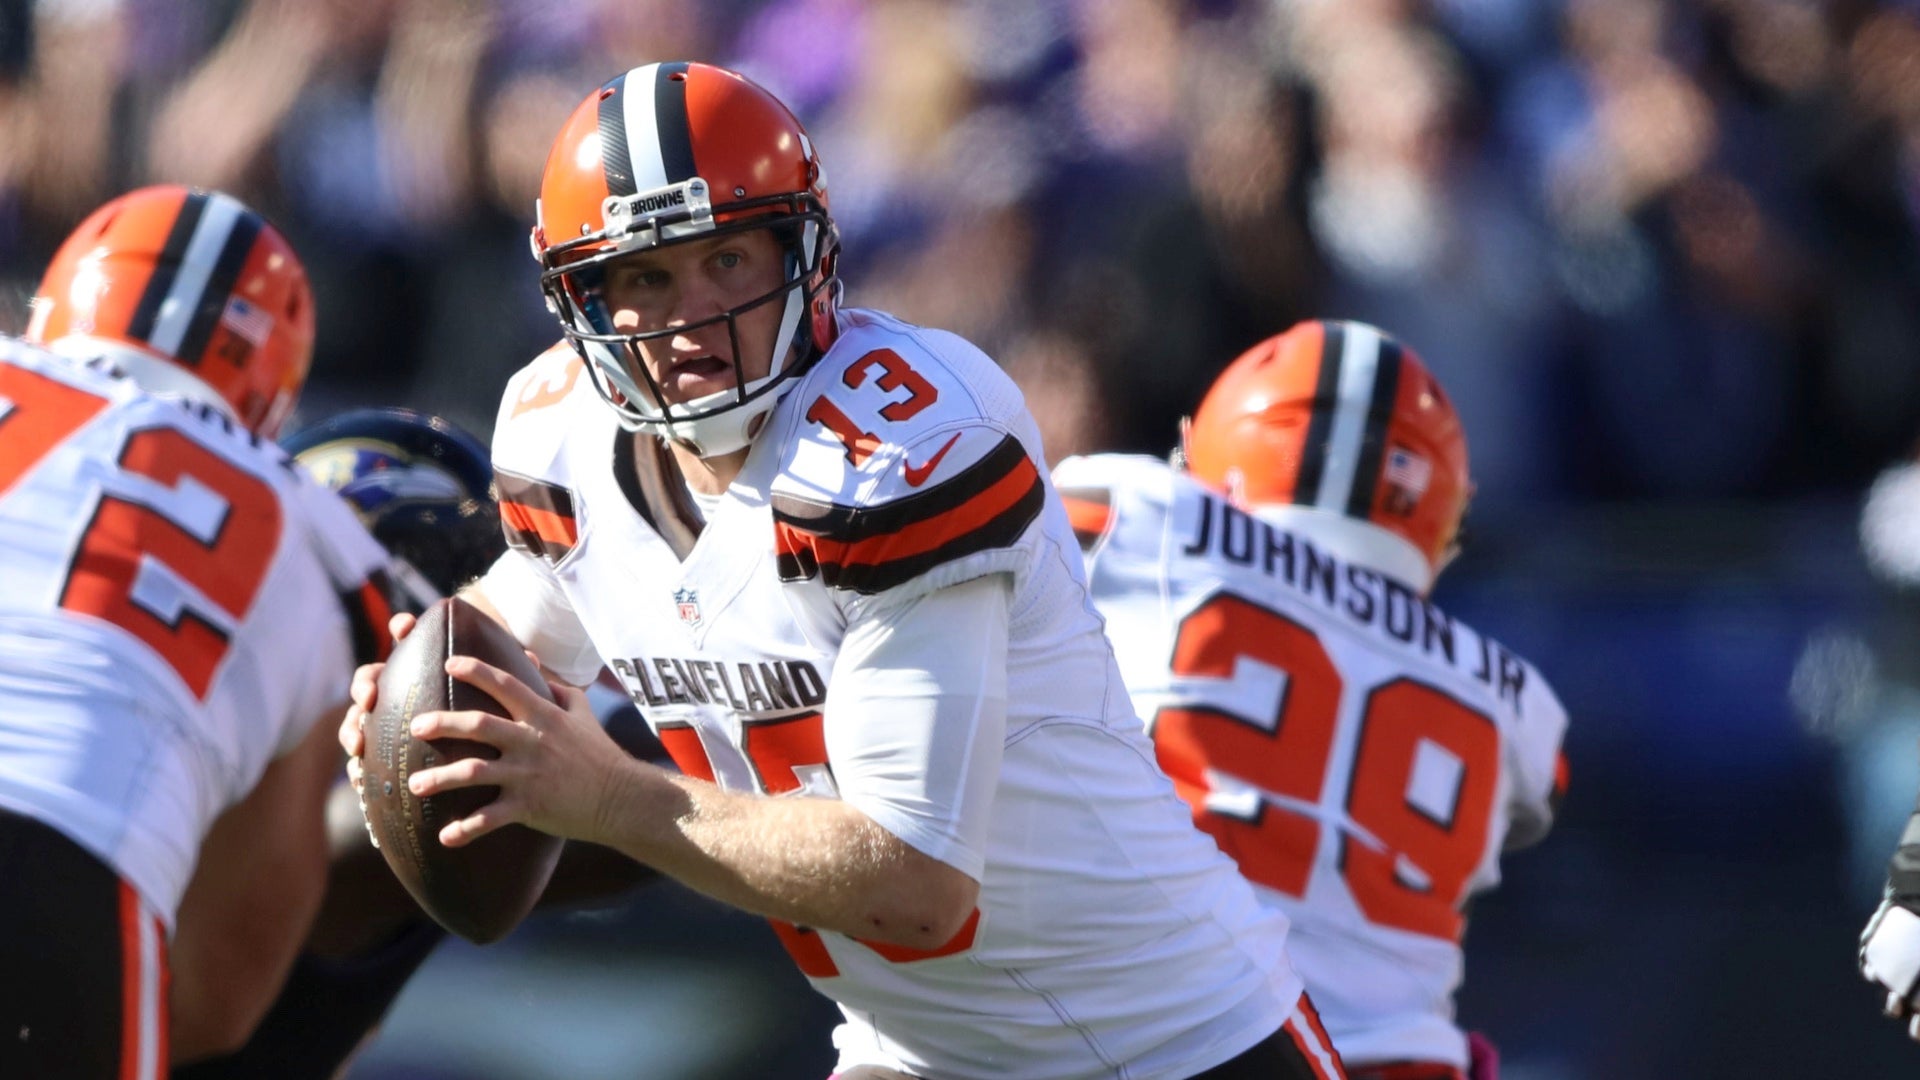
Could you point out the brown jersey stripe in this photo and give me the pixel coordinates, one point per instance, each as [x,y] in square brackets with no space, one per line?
[993,519]
[536,516]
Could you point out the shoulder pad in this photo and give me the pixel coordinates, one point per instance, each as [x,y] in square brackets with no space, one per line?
[544,403]
[540,396]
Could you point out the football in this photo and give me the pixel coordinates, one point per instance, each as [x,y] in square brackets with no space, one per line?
[483,890]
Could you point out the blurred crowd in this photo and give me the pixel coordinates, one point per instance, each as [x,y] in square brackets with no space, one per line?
[1657,249]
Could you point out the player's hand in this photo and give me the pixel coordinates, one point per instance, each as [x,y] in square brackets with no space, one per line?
[558,770]
[1890,958]
[361,695]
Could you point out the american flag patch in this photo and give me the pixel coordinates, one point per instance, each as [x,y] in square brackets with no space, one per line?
[248,321]
[1408,470]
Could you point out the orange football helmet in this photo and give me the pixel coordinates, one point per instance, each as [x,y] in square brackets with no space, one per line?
[663,154]
[190,277]
[1338,418]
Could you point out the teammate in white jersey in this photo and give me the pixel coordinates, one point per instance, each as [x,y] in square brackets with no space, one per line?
[1890,945]
[1361,754]
[177,610]
[818,549]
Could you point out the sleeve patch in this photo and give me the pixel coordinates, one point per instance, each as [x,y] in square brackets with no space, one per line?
[870,550]
[537,517]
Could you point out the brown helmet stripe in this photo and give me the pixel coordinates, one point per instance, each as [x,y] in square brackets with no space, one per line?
[1326,400]
[218,289]
[614,155]
[167,266]
[670,121]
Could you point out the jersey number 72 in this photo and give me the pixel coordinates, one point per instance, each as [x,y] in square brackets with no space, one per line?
[222,553]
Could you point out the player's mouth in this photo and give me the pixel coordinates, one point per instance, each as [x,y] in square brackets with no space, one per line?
[696,377]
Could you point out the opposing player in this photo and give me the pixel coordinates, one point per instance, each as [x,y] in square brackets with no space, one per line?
[1362,755]
[817,547]
[424,489]
[177,609]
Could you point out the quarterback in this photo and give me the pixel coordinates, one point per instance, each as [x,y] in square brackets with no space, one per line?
[816,546]
[1362,755]
[178,609]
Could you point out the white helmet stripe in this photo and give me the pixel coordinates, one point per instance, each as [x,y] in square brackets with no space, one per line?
[196,266]
[649,169]
[1359,360]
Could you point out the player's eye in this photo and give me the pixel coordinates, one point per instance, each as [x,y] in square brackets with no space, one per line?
[628,278]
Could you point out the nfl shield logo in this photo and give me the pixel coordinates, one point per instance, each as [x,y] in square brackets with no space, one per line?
[688,603]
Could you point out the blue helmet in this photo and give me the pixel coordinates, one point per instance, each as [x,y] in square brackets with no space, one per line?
[422,487]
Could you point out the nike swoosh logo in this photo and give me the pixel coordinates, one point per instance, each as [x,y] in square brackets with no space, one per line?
[918,476]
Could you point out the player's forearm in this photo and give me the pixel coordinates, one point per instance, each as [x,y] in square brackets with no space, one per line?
[812,861]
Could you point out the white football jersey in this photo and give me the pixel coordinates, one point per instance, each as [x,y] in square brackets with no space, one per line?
[1111,938]
[1361,754]
[175,607]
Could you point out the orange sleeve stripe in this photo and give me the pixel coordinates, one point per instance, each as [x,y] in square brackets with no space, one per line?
[934,532]
[550,527]
[131,1015]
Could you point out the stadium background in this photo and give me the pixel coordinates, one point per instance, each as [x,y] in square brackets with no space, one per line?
[1663,254]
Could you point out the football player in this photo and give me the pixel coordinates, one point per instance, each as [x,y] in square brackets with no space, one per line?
[177,609]
[1890,945]
[817,546]
[1362,755]
[424,489]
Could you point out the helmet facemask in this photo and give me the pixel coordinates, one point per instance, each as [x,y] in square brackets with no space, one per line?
[724,421]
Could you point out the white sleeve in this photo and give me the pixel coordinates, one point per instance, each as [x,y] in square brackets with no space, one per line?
[521,589]
[916,716]
[1533,745]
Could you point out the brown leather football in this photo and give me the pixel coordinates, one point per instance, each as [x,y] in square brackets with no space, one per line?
[483,890]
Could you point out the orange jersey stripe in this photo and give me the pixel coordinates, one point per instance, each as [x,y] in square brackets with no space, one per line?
[932,533]
[545,524]
[129,984]
[1087,518]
